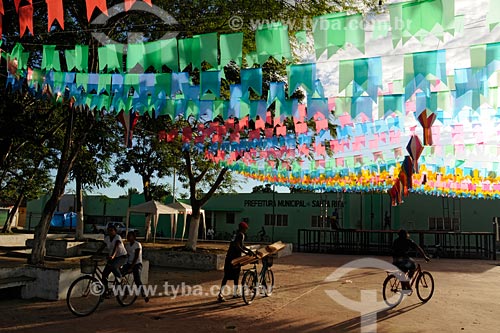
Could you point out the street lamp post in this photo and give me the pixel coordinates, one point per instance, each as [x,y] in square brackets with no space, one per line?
[274,215]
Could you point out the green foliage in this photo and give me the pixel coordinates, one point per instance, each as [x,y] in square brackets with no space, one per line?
[267,188]
[149,158]
[94,164]
[25,153]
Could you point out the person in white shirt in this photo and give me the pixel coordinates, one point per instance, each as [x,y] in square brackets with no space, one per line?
[134,261]
[210,233]
[117,255]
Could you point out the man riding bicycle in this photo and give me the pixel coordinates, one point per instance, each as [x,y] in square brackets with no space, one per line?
[117,255]
[401,257]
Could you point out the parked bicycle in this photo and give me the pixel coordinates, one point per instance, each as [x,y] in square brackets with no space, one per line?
[254,281]
[259,238]
[393,292]
[88,291]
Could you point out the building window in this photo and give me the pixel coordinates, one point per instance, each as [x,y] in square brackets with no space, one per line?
[444,224]
[210,222]
[315,222]
[230,218]
[281,220]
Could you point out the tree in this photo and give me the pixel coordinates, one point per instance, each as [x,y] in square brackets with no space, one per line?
[193,17]
[209,16]
[267,188]
[93,165]
[25,158]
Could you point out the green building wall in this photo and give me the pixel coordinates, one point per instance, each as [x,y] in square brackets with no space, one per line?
[360,211]
[101,209]
[356,211]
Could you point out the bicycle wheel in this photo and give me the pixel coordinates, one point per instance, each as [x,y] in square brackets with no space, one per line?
[84,295]
[391,291]
[127,293]
[268,283]
[425,286]
[249,285]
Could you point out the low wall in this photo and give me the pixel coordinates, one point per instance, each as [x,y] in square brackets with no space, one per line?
[179,259]
[66,248]
[201,261]
[52,283]
[19,240]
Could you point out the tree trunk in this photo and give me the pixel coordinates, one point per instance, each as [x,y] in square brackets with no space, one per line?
[69,154]
[10,217]
[147,228]
[42,229]
[79,209]
[194,227]
[146,181]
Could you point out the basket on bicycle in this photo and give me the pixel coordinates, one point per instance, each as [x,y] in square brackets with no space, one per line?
[88,266]
[269,260]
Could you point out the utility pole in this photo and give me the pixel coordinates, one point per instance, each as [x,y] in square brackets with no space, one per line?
[274,215]
[173,187]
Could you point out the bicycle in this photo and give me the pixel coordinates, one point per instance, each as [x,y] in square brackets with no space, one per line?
[252,281]
[259,238]
[392,289]
[87,292]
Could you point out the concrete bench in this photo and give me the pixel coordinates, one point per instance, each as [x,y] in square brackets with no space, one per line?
[17,281]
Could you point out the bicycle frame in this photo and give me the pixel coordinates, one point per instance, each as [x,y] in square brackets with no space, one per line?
[98,275]
[262,274]
[417,273]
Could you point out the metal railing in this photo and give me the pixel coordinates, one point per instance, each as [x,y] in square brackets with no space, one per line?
[472,245]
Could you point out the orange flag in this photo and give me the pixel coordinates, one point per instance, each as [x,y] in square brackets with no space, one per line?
[93,4]
[1,7]
[55,12]
[26,19]
[130,3]
[16,4]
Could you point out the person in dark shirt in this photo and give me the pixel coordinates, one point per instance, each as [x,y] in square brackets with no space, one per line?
[387,220]
[236,248]
[401,257]
[262,234]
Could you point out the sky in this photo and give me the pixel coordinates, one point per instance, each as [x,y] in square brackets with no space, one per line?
[135,181]
[475,32]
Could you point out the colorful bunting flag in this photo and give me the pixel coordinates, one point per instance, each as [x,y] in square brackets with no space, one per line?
[55,12]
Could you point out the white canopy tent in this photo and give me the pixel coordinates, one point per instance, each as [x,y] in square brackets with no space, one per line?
[185,209]
[154,209]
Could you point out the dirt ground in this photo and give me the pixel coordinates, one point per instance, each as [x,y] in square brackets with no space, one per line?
[466,299]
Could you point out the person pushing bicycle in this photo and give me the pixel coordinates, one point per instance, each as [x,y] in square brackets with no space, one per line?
[236,248]
[401,257]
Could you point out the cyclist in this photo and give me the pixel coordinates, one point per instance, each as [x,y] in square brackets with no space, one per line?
[401,257]
[262,234]
[134,262]
[117,256]
[236,248]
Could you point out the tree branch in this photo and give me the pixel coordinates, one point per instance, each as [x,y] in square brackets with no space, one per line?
[202,174]
[214,187]
[192,179]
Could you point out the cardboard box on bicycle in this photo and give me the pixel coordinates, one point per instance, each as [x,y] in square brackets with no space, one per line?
[271,249]
[261,253]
